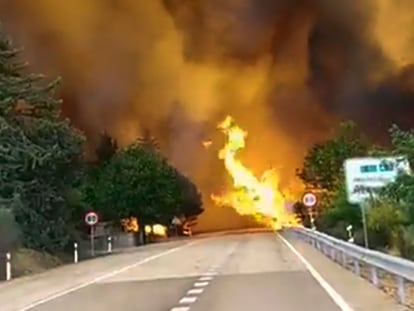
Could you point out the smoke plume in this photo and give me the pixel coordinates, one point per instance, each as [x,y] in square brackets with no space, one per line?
[286,70]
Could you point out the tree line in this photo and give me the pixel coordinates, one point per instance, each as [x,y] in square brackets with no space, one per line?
[46,186]
[390,213]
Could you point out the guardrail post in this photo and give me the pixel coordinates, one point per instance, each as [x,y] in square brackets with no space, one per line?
[312,242]
[109,244]
[357,269]
[75,252]
[325,250]
[8,267]
[344,260]
[333,254]
[374,276]
[401,290]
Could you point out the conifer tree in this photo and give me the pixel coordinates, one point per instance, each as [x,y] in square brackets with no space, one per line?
[39,153]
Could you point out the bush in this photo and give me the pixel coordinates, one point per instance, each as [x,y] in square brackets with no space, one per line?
[9,230]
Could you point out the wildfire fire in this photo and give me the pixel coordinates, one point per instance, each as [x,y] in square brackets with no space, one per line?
[260,198]
[131,225]
[158,230]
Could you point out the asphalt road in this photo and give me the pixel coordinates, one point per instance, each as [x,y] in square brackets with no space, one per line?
[254,271]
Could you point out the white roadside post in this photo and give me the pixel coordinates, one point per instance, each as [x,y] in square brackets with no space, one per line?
[75,252]
[363,176]
[109,244]
[8,267]
[350,234]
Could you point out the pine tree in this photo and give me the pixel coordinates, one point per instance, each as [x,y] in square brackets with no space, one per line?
[39,153]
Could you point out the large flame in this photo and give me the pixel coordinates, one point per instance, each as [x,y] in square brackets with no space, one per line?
[261,197]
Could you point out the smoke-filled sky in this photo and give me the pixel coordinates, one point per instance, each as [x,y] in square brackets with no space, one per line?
[287,70]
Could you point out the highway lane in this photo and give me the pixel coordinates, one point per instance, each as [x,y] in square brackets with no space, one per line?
[233,272]
[153,286]
[252,271]
[264,274]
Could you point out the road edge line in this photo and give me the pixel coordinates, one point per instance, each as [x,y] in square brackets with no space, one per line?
[102,277]
[335,296]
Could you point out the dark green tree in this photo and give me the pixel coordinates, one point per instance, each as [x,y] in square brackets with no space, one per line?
[323,170]
[323,164]
[338,215]
[137,182]
[402,143]
[391,216]
[192,204]
[40,154]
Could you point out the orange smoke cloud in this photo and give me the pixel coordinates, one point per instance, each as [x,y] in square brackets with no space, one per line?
[286,70]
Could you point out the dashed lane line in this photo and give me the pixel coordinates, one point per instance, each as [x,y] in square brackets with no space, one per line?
[188,300]
[192,295]
[198,287]
[195,291]
[201,284]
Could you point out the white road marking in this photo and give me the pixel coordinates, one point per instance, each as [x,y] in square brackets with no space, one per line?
[200,284]
[195,291]
[338,299]
[187,300]
[102,277]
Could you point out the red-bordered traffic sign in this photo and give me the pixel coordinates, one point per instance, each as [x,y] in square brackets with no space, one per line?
[91,218]
[309,199]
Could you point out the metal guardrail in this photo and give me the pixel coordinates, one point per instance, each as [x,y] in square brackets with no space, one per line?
[344,252]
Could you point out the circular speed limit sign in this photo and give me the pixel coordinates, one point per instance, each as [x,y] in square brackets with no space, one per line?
[91,218]
[309,199]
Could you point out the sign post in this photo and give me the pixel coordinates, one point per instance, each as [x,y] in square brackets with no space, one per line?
[91,219]
[309,199]
[365,176]
[364,206]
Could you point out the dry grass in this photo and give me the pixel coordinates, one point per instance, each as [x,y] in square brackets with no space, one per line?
[27,261]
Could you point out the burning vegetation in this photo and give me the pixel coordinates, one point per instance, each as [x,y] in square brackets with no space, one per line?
[258,197]
[131,224]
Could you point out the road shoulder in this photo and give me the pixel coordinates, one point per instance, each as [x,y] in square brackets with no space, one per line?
[26,292]
[357,292]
